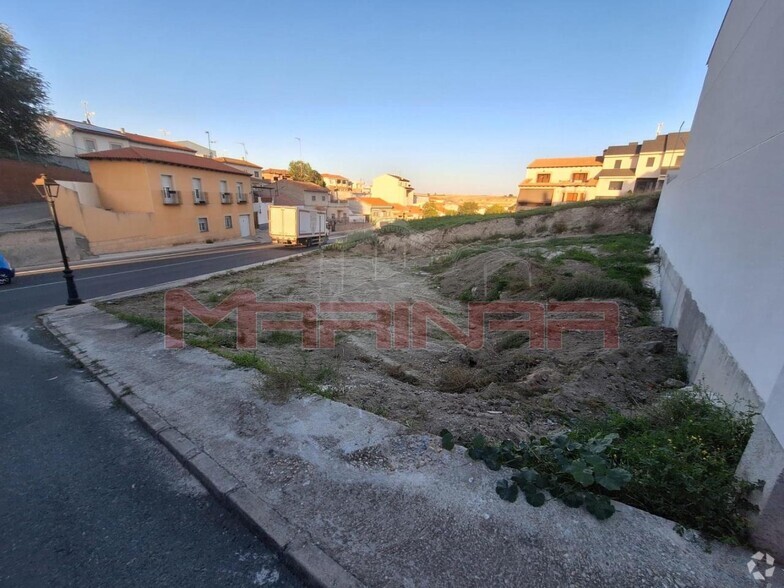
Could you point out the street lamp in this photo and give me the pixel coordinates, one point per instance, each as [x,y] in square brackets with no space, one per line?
[48,189]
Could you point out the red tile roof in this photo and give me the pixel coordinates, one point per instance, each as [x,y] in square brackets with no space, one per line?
[593,160]
[334,176]
[158,156]
[306,186]
[376,202]
[157,142]
[232,161]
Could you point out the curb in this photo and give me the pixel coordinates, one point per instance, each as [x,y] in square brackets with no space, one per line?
[292,543]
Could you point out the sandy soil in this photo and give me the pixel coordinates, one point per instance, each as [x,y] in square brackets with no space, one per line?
[504,390]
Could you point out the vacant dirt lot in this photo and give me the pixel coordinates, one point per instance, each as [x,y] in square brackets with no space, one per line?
[504,390]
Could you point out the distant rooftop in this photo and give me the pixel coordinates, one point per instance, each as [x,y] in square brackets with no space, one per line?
[588,161]
[158,156]
[233,161]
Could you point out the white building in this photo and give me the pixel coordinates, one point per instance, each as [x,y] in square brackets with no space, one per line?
[72,138]
[720,230]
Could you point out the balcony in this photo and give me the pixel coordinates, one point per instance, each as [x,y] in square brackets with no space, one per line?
[170,196]
[241,197]
[225,197]
[199,197]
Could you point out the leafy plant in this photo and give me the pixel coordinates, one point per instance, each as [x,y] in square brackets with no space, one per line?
[683,453]
[576,473]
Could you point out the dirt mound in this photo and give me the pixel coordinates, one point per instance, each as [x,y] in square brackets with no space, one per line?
[634,215]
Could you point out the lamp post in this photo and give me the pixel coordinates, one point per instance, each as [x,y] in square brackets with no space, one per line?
[48,189]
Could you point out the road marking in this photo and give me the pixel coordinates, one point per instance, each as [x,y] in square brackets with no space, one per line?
[109,263]
[9,291]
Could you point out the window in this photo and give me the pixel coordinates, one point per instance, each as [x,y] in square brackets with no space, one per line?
[255,174]
[618,164]
[323,198]
[579,177]
[89,144]
[240,193]
[167,182]
[227,222]
[542,178]
[199,196]
[203,225]
[616,185]
[115,145]
[572,197]
[313,197]
[650,162]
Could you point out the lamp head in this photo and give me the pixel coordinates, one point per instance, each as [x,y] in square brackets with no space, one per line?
[48,189]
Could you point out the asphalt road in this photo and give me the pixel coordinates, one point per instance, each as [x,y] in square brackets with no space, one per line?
[88,497]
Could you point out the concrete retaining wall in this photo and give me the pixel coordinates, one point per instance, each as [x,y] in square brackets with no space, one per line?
[34,247]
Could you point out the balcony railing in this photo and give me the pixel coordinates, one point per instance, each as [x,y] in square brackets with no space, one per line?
[170,196]
[225,197]
[199,197]
[241,197]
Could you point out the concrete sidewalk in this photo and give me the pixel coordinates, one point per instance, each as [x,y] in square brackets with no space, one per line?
[352,498]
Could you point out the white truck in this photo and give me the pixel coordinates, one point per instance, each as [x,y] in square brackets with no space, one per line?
[297,225]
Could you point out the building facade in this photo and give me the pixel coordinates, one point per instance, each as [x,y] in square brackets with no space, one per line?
[146,198]
[271,174]
[373,210]
[339,185]
[635,168]
[73,138]
[393,189]
[555,180]
[638,168]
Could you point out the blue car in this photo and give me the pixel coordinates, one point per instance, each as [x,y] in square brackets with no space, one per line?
[7,273]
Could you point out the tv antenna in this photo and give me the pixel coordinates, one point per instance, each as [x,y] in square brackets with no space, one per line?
[165,133]
[244,150]
[659,128]
[87,114]
[210,143]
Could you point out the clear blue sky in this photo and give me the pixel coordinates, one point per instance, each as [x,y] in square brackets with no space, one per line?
[458,96]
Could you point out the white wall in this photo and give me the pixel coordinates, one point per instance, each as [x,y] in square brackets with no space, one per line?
[721,220]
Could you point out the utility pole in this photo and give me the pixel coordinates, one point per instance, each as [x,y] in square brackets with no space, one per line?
[210,143]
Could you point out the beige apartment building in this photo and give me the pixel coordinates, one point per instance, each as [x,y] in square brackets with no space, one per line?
[393,189]
[560,179]
[338,184]
[147,198]
[634,168]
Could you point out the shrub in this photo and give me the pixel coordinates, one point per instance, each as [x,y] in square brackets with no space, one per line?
[585,286]
[558,227]
[679,459]
[456,378]
[682,455]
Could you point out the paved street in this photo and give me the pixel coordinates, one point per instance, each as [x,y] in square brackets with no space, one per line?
[87,497]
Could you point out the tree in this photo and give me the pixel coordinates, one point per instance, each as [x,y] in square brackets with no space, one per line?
[23,100]
[496,209]
[302,172]
[429,210]
[468,208]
